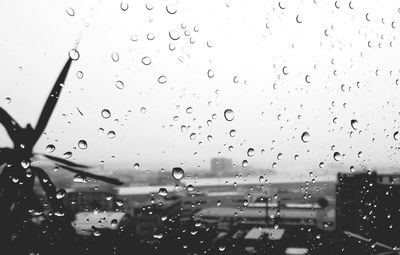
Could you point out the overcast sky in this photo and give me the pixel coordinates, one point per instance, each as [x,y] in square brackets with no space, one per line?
[349,52]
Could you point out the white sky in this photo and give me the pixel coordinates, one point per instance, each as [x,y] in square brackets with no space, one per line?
[37,35]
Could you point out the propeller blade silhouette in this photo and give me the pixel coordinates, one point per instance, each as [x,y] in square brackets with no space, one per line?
[51,103]
[93,176]
[64,161]
[11,126]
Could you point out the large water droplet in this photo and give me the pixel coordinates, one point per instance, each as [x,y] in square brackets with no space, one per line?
[177,173]
[105,113]
[50,148]
[229,114]
[82,144]
[305,137]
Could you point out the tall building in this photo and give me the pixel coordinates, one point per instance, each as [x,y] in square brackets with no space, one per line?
[221,166]
[367,204]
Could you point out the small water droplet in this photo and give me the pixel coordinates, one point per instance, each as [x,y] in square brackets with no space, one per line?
[119,84]
[25,163]
[111,134]
[177,173]
[354,124]
[8,100]
[250,152]
[114,223]
[171,9]
[337,156]
[74,54]
[163,192]
[174,34]
[192,136]
[189,110]
[150,36]
[79,74]
[124,6]
[68,154]
[146,61]
[82,144]
[279,156]
[79,179]
[115,56]
[210,73]
[61,193]
[50,148]
[143,110]
[232,133]
[105,113]
[70,11]
[305,137]
[229,114]
[245,163]
[190,187]
[136,166]
[396,135]
[219,203]
[162,79]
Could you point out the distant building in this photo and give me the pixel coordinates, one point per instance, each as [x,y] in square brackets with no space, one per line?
[221,166]
[89,223]
[367,204]
[79,200]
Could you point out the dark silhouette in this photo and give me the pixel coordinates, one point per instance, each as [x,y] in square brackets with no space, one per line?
[18,201]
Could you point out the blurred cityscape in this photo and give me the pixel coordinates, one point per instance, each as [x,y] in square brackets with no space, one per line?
[219,211]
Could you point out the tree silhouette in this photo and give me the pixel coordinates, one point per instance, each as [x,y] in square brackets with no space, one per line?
[18,200]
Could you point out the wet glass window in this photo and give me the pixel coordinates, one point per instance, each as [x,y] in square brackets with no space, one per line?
[199,127]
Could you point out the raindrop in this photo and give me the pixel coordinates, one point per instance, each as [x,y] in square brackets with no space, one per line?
[354,124]
[190,187]
[163,192]
[74,54]
[114,222]
[143,110]
[337,156]
[245,163]
[321,165]
[285,70]
[115,56]
[171,9]
[219,203]
[232,133]
[210,73]
[119,202]
[79,74]
[279,156]
[229,114]
[124,6]
[150,36]
[177,173]
[70,11]
[189,110]
[305,137]
[82,144]
[25,163]
[192,136]
[146,61]
[250,152]
[209,44]
[119,84]
[50,148]
[60,193]
[68,154]
[235,79]
[136,166]
[396,135]
[105,113]
[162,79]
[174,35]
[111,134]
[79,179]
